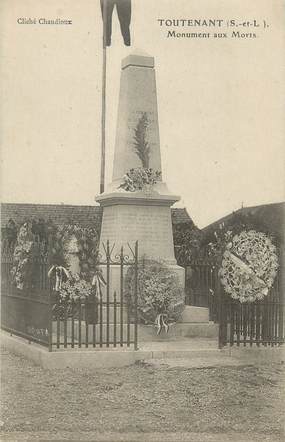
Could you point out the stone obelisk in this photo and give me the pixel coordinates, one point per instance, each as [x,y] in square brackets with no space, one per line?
[138,216]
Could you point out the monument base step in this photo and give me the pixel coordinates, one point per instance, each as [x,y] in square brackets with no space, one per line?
[185,348]
[178,330]
[195,314]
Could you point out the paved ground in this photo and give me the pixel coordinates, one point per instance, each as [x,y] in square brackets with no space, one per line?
[143,403]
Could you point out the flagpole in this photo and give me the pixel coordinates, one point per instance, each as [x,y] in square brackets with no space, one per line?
[103,115]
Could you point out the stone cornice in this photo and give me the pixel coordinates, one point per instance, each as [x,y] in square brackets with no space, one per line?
[136,198]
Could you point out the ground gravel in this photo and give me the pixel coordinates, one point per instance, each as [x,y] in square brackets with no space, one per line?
[142,399]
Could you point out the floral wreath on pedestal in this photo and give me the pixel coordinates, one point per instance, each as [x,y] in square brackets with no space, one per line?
[160,299]
[249,266]
[140,179]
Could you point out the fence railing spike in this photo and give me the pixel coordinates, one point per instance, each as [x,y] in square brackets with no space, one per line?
[132,252]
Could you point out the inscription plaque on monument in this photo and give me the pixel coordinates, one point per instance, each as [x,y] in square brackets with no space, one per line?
[149,225]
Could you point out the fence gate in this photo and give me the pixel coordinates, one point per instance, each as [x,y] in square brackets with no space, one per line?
[108,319]
[260,323]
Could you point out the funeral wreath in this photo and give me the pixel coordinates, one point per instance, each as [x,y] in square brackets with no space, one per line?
[160,294]
[249,266]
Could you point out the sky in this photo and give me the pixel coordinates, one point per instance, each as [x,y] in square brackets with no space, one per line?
[221,103]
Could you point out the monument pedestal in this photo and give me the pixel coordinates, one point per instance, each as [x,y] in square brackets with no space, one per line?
[135,216]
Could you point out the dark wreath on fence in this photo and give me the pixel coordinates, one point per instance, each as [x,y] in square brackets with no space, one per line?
[72,291]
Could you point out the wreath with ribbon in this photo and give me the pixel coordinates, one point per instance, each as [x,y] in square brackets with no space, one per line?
[160,294]
[249,266]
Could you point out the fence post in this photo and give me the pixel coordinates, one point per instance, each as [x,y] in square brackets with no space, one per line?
[281,304]
[222,313]
[121,296]
[115,319]
[221,343]
[136,298]
[50,318]
[108,259]
[101,318]
[185,285]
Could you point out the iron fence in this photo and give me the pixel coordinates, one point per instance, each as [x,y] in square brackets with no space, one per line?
[26,317]
[38,313]
[109,319]
[26,311]
[105,320]
[259,323]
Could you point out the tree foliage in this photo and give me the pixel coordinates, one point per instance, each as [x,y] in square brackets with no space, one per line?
[187,239]
[215,240]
